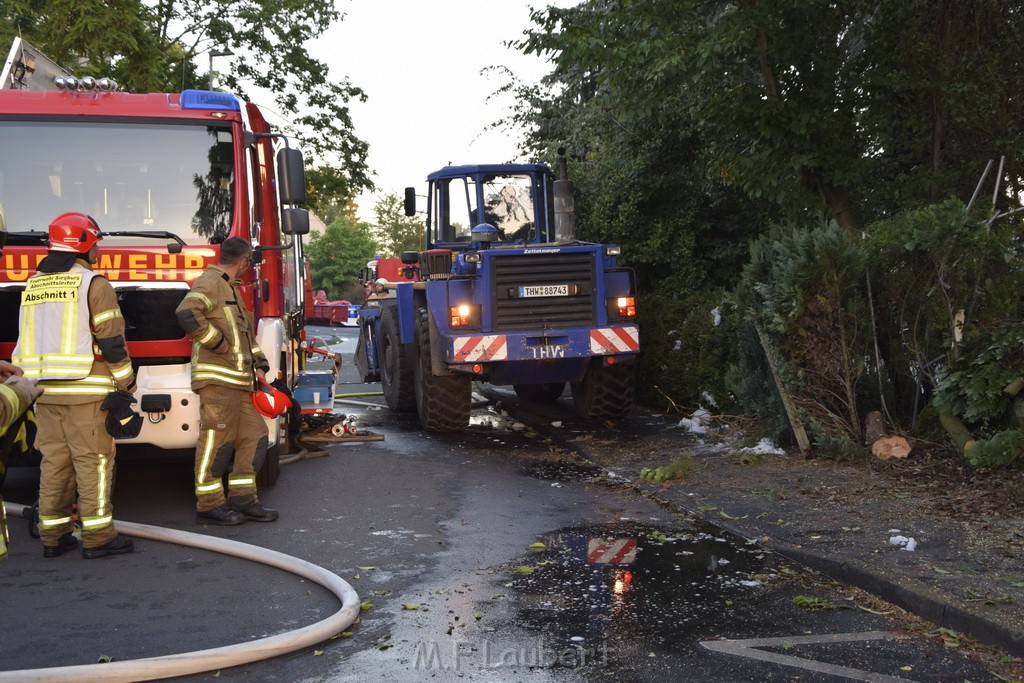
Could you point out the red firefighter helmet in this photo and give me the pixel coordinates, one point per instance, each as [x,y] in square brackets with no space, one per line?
[269,401]
[74,232]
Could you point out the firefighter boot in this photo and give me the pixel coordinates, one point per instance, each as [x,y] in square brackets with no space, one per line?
[222,516]
[64,543]
[119,546]
[256,512]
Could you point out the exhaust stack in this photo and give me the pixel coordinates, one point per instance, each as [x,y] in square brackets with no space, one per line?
[565,207]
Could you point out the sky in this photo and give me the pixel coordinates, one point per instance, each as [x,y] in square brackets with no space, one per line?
[420,64]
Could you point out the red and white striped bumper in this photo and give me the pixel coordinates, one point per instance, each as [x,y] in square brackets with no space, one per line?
[609,340]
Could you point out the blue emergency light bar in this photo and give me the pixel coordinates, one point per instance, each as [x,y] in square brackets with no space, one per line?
[207,99]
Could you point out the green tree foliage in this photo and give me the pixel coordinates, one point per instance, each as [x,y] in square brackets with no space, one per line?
[948,290]
[393,230]
[805,290]
[693,340]
[695,126]
[329,194]
[337,255]
[154,45]
[858,108]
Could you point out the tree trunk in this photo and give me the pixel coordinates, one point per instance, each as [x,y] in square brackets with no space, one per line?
[787,400]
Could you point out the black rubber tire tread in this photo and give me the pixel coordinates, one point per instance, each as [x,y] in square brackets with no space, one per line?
[443,403]
[546,392]
[396,382]
[606,391]
[270,471]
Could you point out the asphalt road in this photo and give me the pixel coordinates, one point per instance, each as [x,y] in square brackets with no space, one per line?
[437,533]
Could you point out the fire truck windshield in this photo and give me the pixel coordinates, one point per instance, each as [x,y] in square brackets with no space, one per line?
[177,178]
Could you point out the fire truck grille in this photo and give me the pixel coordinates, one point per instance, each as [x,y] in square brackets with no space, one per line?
[516,306]
[149,314]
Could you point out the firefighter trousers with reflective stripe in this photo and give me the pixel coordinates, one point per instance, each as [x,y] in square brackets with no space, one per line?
[78,458]
[228,425]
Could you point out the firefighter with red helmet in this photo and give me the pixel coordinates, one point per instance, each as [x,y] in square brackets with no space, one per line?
[226,362]
[71,339]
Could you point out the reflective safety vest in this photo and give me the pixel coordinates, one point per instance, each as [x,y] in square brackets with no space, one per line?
[56,341]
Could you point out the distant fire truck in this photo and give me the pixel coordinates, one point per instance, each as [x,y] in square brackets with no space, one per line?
[168,177]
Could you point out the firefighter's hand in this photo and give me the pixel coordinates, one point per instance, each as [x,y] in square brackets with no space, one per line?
[29,385]
[7,370]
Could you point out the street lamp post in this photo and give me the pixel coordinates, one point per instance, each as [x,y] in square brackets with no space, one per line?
[217,53]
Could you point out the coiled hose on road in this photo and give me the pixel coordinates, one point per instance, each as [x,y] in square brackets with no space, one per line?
[217,658]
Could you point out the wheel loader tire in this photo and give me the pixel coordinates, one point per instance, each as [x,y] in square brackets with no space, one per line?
[442,402]
[396,361]
[606,391]
[547,392]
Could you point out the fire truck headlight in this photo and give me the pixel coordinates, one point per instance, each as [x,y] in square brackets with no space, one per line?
[472,257]
[613,250]
[71,82]
[88,83]
[59,82]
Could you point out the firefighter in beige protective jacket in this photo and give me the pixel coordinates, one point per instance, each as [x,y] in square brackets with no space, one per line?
[226,361]
[16,395]
[71,339]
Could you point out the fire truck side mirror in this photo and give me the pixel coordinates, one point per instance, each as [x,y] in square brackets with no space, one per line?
[295,221]
[410,201]
[291,176]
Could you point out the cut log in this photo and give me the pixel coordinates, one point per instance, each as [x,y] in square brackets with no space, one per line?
[889,447]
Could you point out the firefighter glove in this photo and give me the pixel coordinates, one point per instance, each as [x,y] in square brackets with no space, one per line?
[29,385]
[122,422]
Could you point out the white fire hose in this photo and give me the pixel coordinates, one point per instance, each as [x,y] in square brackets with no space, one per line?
[216,658]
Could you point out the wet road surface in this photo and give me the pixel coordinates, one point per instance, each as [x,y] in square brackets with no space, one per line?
[490,555]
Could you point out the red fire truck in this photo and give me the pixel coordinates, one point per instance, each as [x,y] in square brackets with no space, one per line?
[168,177]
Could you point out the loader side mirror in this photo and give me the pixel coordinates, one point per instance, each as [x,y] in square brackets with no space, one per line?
[410,201]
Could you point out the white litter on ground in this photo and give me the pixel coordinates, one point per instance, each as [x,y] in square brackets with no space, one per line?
[697,423]
[764,447]
[709,399]
[556,423]
[904,542]
[716,316]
